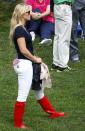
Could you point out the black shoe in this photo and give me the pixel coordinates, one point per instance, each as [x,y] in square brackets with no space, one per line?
[54,67]
[59,69]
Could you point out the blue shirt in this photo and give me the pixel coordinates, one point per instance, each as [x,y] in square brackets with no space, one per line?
[20,32]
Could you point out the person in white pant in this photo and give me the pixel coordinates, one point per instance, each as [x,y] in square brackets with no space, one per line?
[63,25]
[23,66]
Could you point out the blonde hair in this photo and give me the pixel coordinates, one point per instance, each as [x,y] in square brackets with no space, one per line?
[19,10]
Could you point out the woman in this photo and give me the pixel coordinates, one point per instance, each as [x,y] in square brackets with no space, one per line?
[23,65]
[44,23]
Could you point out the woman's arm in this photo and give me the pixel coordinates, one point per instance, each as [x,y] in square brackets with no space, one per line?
[26,52]
[41,15]
[47,12]
[38,15]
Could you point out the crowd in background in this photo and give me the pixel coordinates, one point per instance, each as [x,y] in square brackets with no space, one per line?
[43,25]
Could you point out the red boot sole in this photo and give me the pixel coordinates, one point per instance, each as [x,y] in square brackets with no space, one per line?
[56,115]
[22,127]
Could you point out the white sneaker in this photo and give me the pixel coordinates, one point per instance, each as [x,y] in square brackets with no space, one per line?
[33,35]
[76,59]
[69,68]
[46,41]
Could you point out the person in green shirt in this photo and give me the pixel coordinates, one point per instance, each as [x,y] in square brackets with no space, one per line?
[63,25]
[63,1]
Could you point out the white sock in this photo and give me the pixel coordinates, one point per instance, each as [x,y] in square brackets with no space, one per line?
[33,35]
[39,94]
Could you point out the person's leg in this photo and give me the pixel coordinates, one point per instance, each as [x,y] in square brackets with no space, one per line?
[63,19]
[82,20]
[74,53]
[46,31]
[33,25]
[46,105]
[24,72]
[55,41]
[18,114]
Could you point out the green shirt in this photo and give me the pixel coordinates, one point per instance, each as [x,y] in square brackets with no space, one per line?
[60,1]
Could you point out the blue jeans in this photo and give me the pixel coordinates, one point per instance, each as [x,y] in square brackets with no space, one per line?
[43,28]
[78,15]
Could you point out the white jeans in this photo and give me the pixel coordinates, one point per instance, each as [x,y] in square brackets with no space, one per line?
[63,25]
[24,71]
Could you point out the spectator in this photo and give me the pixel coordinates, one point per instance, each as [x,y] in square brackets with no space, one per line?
[23,66]
[44,25]
[63,25]
[78,16]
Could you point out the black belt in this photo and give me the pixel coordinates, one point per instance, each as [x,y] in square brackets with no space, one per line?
[65,2]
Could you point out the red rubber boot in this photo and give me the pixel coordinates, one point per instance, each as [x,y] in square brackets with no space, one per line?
[48,108]
[18,115]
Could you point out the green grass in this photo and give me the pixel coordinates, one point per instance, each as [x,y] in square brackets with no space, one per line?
[67,93]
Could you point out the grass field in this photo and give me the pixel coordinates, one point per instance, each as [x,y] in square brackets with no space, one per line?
[67,93]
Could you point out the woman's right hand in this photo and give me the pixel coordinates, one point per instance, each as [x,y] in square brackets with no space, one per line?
[38,59]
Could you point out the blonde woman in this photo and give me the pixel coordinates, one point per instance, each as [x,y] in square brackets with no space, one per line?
[23,65]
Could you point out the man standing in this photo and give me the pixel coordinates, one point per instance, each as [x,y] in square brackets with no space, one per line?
[78,10]
[63,25]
